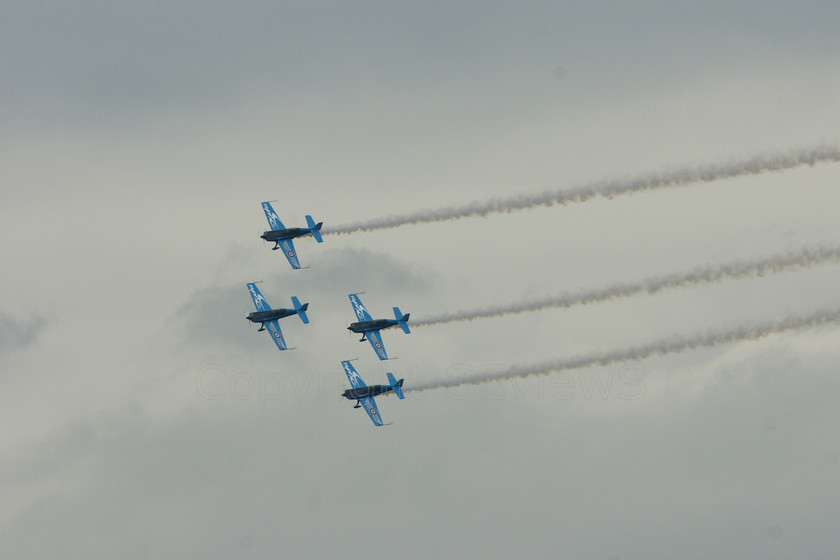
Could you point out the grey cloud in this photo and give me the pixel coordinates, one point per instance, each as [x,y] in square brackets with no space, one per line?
[95,61]
[361,269]
[98,60]
[216,315]
[198,109]
[18,334]
[684,474]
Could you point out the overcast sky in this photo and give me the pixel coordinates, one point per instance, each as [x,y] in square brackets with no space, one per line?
[142,417]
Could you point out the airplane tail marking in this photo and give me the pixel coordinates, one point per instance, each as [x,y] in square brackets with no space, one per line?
[300,309]
[314,229]
[402,320]
[396,385]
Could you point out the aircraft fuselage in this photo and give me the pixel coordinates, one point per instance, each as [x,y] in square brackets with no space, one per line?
[375,325]
[365,392]
[270,315]
[282,234]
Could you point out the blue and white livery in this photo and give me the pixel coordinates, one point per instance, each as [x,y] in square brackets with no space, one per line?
[268,317]
[363,395]
[282,236]
[370,327]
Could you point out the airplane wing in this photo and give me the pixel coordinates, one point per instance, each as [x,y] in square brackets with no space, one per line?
[375,338]
[289,250]
[273,220]
[370,407]
[274,328]
[259,301]
[352,375]
[360,309]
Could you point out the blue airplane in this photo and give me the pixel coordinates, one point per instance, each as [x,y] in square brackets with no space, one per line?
[282,236]
[363,395]
[370,327]
[268,317]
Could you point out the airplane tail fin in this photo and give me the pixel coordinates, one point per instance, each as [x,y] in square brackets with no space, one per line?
[402,319]
[300,309]
[315,229]
[396,385]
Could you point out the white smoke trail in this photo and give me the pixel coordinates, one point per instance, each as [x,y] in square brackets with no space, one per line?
[606,189]
[774,264]
[668,346]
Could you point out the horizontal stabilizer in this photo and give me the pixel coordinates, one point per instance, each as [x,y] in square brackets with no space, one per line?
[300,309]
[396,385]
[314,229]
[402,320]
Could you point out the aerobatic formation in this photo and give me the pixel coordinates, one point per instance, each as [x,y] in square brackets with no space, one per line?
[370,328]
